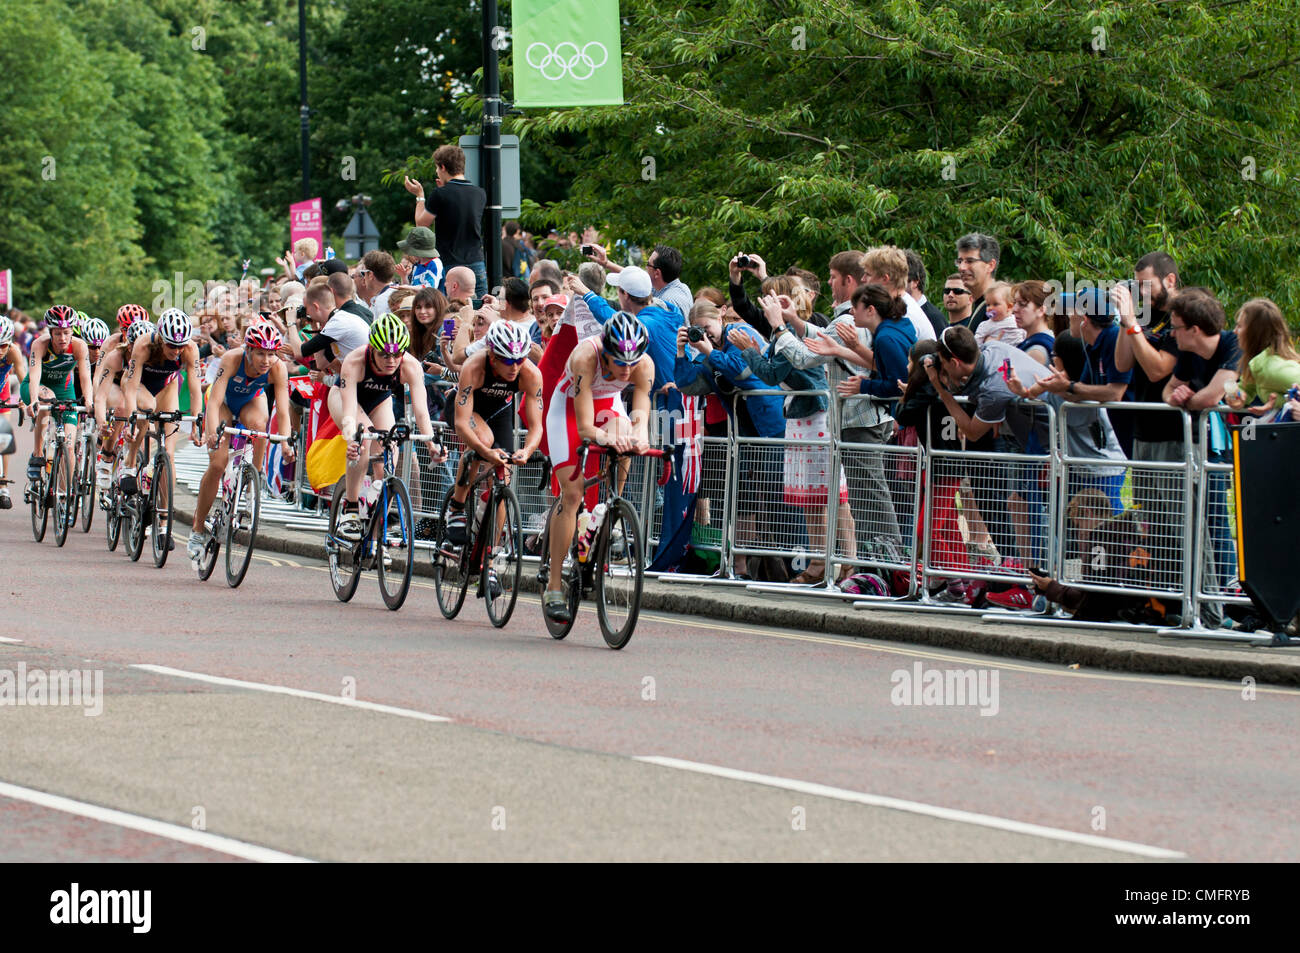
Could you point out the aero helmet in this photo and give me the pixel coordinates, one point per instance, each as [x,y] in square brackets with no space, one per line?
[389,335]
[624,338]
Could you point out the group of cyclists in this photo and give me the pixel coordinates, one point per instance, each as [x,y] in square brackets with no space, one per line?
[141,365]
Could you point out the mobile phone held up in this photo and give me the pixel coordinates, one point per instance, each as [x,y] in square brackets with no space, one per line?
[588,249]
[1006,370]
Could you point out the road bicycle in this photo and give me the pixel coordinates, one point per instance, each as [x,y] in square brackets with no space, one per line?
[613,569]
[53,489]
[151,507]
[493,549]
[85,500]
[387,528]
[236,509]
[113,501]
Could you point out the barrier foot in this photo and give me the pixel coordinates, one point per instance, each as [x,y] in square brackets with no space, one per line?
[701,579]
[785,589]
[1223,635]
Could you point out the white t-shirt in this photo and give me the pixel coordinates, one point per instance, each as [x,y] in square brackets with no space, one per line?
[349,332]
[924,329]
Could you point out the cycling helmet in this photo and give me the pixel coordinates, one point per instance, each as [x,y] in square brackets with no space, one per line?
[79,320]
[509,341]
[138,330]
[624,338]
[264,335]
[128,314]
[95,332]
[389,335]
[6,331]
[175,327]
[60,316]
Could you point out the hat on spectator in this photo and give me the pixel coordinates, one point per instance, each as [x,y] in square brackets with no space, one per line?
[419,243]
[635,281]
[556,301]
[331,265]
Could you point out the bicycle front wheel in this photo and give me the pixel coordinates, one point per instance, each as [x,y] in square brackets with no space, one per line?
[569,583]
[161,520]
[241,524]
[503,557]
[86,485]
[450,571]
[343,554]
[113,519]
[40,507]
[65,495]
[618,573]
[208,561]
[394,534]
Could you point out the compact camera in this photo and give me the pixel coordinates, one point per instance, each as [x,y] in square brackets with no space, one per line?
[694,333]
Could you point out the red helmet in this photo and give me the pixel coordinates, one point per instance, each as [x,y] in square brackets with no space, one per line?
[60,316]
[128,314]
[264,335]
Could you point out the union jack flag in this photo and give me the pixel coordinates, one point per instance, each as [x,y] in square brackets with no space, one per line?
[687,433]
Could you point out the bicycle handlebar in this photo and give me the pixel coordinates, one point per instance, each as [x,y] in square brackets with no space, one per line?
[241,432]
[586,447]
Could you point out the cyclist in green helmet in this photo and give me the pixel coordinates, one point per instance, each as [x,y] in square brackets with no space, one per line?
[368,391]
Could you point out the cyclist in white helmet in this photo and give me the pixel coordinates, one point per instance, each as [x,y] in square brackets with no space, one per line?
[495,384]
[156,361]
[11,361]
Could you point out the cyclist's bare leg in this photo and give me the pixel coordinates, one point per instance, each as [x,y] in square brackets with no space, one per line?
[563,522]
[255,416]
[217,460]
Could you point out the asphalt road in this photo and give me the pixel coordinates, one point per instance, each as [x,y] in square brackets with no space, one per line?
[538,756]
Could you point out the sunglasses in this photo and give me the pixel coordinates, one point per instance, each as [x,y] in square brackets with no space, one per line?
[623,363]
[955,291]
[511,361]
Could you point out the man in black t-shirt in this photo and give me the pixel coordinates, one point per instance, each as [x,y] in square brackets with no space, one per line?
[456,214]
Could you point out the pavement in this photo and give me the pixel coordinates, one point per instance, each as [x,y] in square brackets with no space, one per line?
[996,632]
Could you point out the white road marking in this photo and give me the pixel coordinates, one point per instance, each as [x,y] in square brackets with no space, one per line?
[916,807]
[5,638]
[295,692]
[147,825]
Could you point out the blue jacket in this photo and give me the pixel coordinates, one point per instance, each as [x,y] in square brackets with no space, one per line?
[662,325]
[891,344]
[701,376]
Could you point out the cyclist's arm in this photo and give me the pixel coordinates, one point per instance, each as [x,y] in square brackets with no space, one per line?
[18,361]
[583,368]
[350,373]
[190,365]
[83,371]
[530,392]
[217,396]
[112,362]
[642,380]
[34,372]
[280,378]
[413,374]
[131,376]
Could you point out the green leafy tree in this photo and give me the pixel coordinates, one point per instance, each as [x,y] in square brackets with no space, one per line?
[1080,134]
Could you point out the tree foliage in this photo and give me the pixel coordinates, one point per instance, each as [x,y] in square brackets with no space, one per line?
[1081,133]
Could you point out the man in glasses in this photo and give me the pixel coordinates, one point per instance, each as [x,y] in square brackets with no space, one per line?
[977,263]
[492,384]
[956,301]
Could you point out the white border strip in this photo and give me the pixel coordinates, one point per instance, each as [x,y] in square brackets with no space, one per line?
[915,807]
[294,692]
[7,639]
[147,825]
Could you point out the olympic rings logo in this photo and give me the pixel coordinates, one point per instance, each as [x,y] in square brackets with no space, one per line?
[555,64]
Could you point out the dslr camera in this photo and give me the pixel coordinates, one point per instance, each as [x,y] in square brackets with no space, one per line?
[694,333]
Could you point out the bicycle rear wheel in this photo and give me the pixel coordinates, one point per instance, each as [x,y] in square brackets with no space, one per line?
[241,524]
[65,495]
[113,519]
[618,573]
[502,557]
[450,569]
[570,582]
[343,554]
[394,535]
[161,517]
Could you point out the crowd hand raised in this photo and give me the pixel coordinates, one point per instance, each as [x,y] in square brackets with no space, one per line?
[1123,303]
[771,305]
[574,286]
[598,253]
[741,340]
[850,386]
[848,334]
[411,185]
[681,342]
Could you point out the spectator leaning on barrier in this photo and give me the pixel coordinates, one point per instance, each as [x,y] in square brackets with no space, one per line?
[1269,363]
[886,265]
[806,468]
[344,290]
[977,261]
[916,280]
[892,338]
[341,332]
[719,367]
[956,302]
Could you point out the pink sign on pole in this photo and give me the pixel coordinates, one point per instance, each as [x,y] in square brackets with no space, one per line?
[6,288]
[305,221]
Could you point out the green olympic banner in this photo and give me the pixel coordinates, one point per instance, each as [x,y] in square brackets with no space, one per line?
[567,53]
